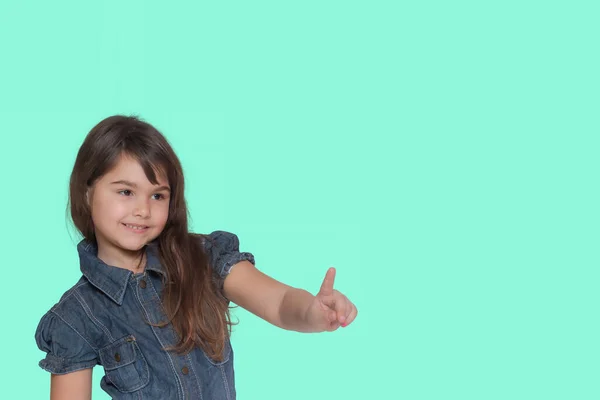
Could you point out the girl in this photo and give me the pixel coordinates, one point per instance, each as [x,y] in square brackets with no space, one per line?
[152,305]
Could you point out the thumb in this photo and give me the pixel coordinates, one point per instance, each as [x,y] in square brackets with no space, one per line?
[327,285]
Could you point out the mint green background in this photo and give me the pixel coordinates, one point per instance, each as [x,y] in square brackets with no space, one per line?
[442,155]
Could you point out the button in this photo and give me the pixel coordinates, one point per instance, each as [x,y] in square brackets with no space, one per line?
[117,357]
[143,284]
[185,370]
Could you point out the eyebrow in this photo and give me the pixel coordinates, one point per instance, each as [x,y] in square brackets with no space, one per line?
[133,185]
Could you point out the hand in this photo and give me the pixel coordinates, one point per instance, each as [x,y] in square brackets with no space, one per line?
[330,309]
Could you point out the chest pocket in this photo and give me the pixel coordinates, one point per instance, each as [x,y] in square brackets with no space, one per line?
[124,365]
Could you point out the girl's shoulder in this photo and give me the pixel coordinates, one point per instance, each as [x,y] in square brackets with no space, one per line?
[68,295]
[68,313]
[219,241]
[223,250]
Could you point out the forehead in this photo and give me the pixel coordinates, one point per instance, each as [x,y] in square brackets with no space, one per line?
[130,169]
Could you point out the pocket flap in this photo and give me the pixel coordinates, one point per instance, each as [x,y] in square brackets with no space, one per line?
[119,353]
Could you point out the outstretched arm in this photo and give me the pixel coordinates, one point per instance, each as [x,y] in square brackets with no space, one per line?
[287,307]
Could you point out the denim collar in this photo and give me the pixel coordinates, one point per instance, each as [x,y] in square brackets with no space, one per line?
[111,280]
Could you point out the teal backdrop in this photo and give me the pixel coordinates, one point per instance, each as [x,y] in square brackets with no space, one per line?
[443,156]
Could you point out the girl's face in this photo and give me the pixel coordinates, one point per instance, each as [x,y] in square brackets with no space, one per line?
[128,211]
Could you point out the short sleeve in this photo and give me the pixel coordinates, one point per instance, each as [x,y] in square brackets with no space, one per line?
[67,351]
[224,252]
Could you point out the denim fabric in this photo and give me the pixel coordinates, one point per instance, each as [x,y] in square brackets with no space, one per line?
[101,320]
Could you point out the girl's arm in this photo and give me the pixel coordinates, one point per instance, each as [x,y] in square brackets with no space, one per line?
[287,307]
[72,386]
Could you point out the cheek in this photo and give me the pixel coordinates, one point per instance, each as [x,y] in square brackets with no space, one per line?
[163,213]
[107,210]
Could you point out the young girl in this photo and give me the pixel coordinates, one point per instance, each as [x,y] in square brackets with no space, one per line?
[152,305]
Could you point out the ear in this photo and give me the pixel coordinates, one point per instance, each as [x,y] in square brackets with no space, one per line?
[87,196]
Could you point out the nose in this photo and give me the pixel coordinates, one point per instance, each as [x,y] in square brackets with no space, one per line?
[142,209]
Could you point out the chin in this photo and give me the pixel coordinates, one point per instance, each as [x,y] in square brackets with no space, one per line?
[132,245]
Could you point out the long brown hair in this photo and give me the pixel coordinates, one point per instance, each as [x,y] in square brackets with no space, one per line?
[192,299]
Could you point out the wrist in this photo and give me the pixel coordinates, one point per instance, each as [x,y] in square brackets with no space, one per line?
[295,313]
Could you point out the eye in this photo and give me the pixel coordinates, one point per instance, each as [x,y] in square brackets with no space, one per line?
[125,192]
[160,196]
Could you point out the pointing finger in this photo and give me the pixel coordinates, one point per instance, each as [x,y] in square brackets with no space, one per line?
[327,285]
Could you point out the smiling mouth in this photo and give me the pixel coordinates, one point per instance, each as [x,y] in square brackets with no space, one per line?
[136,227]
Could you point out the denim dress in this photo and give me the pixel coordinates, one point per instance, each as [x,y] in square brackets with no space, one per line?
[101,320]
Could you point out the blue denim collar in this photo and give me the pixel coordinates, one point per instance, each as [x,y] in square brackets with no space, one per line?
[111,280]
